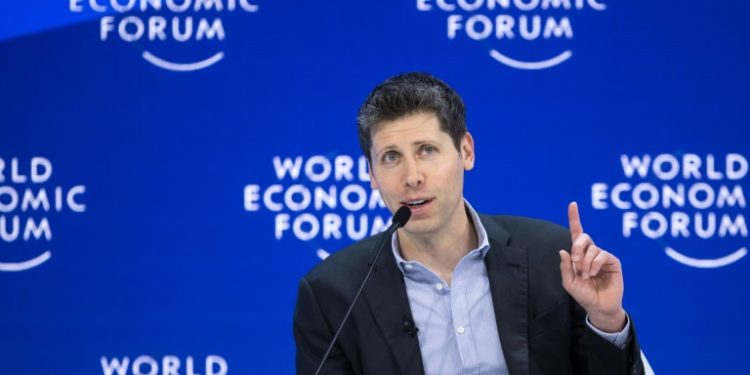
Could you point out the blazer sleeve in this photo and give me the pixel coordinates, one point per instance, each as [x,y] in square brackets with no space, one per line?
[312,334]
[606,358]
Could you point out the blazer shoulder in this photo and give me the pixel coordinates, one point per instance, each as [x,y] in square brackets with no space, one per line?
[526,232]
[349,263]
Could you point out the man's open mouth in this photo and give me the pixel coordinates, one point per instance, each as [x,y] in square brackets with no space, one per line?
[416,203]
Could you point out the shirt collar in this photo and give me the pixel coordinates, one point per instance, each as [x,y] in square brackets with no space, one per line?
[482,239]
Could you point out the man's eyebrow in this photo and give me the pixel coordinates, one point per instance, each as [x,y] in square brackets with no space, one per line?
[383,149]
[418,142]
[395,147]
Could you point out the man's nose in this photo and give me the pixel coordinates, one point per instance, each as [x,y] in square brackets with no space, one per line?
[414,176]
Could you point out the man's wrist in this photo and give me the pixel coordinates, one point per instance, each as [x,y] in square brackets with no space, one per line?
[610,323]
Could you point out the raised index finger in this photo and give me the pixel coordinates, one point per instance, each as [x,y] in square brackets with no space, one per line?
[574,221]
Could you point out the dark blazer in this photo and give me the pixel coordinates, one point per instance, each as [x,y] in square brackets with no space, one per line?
[542,329]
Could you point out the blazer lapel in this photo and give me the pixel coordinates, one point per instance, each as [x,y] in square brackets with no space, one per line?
[386,296]
[508,275]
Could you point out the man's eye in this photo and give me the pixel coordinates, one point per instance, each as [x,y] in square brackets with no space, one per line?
[390,157]
[429,149]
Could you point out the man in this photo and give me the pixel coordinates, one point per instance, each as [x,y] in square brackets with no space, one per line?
[457,292]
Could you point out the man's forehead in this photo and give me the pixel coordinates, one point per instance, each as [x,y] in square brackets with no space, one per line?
[419,125]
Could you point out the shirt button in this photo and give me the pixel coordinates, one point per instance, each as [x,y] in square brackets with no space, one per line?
[408,266]
[439,286]
[461,330]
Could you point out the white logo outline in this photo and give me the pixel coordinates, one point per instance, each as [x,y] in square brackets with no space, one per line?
[25,265]
[706,263]
[531,65]
[182,67]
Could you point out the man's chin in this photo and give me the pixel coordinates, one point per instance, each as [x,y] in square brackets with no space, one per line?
[419,227]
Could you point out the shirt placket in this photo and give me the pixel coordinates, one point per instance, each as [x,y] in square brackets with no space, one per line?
[461,323]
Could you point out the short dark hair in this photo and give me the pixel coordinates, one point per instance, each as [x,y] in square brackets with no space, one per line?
[407,94]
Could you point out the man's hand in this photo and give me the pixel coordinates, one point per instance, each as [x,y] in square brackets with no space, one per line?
[593,277]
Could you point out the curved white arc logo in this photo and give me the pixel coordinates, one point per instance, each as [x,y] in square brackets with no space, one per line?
[533,65]
[706,263]
[23,266]
[182,67]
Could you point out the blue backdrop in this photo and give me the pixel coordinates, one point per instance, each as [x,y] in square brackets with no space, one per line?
[169,170]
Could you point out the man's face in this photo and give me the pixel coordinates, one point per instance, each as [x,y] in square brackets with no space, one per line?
[416,164]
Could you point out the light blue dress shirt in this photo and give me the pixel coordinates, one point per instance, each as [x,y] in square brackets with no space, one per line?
[457,328]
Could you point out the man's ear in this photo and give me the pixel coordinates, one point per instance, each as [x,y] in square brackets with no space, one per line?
[373,183]
[467,151]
